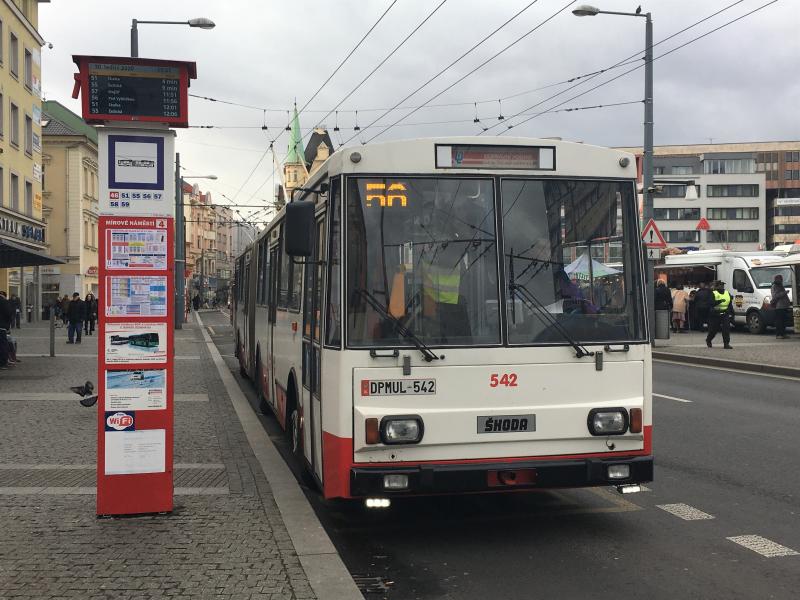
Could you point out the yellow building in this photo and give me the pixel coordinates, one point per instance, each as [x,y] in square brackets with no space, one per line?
[70,202]
[20,138]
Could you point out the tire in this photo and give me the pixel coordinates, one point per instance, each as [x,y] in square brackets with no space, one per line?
[242,370]
[755,322]
[294,429]
[262,400]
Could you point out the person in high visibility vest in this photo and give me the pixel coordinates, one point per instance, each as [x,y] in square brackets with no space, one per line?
[719,317]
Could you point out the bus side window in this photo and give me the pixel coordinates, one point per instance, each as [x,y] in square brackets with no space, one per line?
[283,275]
[333,336]
[274,265]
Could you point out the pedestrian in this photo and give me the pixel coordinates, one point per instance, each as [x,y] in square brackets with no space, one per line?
[17,306]
[6,317]
[679,306]
[780,302]
[196,302]
[662,298]
[719,317]
[91,314]
[76,315]
[703,299]
[64,308]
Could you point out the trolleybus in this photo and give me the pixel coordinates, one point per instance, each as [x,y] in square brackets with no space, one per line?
[455,315]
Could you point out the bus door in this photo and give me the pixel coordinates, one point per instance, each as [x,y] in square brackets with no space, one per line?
[272,300]
[312,351]
[250,310]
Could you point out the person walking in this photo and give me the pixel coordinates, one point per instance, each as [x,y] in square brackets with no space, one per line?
[64,308]
[780,302]
[719,317]
[6,317]
[703,299]
[17,306]
[679,305]
[76,313]
[91,314]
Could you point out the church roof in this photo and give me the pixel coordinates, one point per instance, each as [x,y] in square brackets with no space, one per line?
[317,137]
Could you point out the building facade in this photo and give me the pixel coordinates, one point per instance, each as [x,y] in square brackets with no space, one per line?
[71,211]
[776,164]
[21,220]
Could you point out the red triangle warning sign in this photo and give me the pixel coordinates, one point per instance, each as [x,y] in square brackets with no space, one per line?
[703,224]
[652,236]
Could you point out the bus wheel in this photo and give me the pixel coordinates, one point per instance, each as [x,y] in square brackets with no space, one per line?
[295,432]
[242,370]
[755,323]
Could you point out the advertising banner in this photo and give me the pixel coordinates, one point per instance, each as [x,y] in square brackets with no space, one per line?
[135,343]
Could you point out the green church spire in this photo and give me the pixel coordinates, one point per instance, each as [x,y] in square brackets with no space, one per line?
[295,151]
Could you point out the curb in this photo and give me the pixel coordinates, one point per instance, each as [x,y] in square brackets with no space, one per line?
[736,365]
[327,574]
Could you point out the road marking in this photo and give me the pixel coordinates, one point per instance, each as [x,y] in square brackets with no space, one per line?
[738,371]
[673,398]
[211,330]
[762,546]
[685,512]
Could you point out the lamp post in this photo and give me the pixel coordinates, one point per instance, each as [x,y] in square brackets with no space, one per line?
[200,22]
[586,10]
[180,241]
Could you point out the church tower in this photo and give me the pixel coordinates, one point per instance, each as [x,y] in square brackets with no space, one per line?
[295,171]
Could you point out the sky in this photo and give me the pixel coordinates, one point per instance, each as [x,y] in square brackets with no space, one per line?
[737,84]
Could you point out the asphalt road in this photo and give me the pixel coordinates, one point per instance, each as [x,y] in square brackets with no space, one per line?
[726,448]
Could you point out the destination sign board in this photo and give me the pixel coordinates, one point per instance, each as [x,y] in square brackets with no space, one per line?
[134,89]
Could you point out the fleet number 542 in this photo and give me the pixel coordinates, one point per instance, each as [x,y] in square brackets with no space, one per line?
[505,379]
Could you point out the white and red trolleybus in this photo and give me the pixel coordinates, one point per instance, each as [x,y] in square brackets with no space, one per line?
[455,315]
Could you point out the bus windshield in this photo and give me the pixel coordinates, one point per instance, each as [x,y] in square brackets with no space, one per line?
[426,250]
[764,276]
[570,253]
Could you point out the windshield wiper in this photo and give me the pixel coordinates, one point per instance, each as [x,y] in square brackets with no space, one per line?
[548,319]
[404,331]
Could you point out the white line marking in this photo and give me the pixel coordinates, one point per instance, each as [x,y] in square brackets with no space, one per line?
[685,512]
[762,546]
[673,398]
[211,330]
[739,371]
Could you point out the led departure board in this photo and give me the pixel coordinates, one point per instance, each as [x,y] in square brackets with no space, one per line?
[134,89]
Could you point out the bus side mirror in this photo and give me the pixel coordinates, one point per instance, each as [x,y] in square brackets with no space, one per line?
[299,228]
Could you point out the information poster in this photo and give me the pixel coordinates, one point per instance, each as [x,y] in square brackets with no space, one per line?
[136,296]
[135,343]
[144,389]
[130,451]
[137,249]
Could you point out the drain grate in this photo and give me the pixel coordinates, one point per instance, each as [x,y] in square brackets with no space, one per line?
[373,585]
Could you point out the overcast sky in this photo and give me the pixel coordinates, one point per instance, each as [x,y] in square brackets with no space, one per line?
[738,84]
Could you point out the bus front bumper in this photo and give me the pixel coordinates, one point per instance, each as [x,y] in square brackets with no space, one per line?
[498,476]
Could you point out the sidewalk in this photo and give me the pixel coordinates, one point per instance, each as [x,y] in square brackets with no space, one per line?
[226,537]
[751,352]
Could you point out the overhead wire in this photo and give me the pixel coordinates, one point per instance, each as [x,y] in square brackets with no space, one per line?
[693,40]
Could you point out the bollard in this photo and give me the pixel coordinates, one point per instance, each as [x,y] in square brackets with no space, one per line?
[52,331]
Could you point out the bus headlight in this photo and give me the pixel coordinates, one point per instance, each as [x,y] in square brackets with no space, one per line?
[607,421]
[405,429]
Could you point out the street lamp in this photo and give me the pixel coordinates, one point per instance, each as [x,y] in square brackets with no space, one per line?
[586,10]
[199,22]
[180,241]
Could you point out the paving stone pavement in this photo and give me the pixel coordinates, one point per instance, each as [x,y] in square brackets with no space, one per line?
[225,538]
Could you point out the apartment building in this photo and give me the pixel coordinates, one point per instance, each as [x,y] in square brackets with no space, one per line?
[21,221]
[774,166]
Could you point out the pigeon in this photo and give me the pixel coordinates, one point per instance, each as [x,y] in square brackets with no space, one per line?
[638,9]
[85,391]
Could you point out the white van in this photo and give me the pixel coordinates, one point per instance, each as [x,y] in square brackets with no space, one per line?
[747,276]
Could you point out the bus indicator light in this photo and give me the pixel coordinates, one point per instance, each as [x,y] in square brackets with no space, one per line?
[636,420]
[372,431]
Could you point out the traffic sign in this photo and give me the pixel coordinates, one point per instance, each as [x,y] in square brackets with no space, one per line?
[653,253]
[652,236]
[703,224]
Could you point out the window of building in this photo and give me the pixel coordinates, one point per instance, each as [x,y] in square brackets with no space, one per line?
[2,107]
[2,194]
[28,198]
[2,30]
[86,233]
[732,191]
[788,228]
[28,69]
[733,236]
[13,191]
[94,235]
[728,166]
[658,170]
[732,213]
[792,174]
[13,55]
[672,191]
[792,157]
[676,214]
[14,124]
[681,170]
[28,135]
[681,236]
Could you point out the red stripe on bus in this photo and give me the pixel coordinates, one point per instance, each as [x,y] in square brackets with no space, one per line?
[338,460]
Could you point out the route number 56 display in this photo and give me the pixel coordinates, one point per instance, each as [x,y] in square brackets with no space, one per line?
[505,379]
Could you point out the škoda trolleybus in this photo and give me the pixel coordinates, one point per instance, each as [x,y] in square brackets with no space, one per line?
[455,315]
